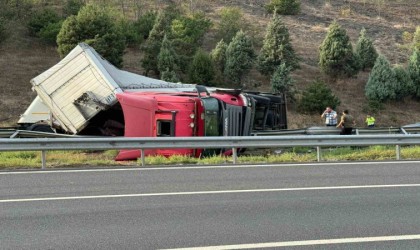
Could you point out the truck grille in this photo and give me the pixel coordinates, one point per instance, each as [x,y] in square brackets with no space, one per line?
[234,123]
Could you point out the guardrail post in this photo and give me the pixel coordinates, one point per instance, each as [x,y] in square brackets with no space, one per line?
[43,159]
[143,160]
[318,153]
[398,152]
[234,155]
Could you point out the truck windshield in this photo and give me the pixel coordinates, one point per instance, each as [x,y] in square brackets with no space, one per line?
[212,118]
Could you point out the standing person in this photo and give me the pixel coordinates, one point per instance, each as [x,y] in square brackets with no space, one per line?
[330,117]
[346,123]
[370,121]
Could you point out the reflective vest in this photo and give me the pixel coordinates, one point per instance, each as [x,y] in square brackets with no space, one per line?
[370,121]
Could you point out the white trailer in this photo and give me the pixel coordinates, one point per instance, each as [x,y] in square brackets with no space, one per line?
[82,85]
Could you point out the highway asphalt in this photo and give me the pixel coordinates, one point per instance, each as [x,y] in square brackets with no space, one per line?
[363,205]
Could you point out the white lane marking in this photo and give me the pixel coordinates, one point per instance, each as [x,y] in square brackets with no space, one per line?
[307,242]
[206,167]
[208,192]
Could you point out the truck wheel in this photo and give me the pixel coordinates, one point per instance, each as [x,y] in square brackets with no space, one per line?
[40,128]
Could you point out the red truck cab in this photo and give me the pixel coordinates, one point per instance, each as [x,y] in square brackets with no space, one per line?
[184,114]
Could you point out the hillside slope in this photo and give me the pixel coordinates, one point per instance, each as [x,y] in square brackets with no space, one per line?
[23,57]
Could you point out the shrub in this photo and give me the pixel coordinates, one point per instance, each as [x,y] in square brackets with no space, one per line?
[49,33]
[72,7]
[316,97]
[187,34]
[144,24]
[372,106]
[2,29]
[230,23]
[97,27]
[382,83]
[111,46]
[416,39]
[16,9]
[336,57]
[190,29]
[283,7]
[41,20]
[407,37]
[169,76]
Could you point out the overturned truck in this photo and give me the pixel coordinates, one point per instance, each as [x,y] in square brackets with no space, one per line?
[84,94]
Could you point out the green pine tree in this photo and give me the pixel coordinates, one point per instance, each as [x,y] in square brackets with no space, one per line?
[277,48]
[218,56]
[281,82]
[414,70]
[336,56]
[366,51]
[151,47]
[382,83]
[201,69]
[166,57]
[239,58]
[404,84]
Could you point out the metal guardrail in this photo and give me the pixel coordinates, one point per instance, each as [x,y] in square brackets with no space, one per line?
[16,133]
[336,131]
[318,141]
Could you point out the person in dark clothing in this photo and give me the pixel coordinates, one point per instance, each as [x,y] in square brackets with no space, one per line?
[346,123]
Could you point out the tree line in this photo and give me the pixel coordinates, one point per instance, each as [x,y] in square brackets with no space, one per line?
[171,44]
[338,59]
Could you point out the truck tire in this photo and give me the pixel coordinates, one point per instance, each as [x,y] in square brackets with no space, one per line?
[41,128]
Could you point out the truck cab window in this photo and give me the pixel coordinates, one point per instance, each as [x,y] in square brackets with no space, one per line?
[164,128]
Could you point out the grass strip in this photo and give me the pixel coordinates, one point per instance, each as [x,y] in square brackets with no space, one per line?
[68,159]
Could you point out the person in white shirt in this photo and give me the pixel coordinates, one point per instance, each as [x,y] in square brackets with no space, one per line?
[330,117]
